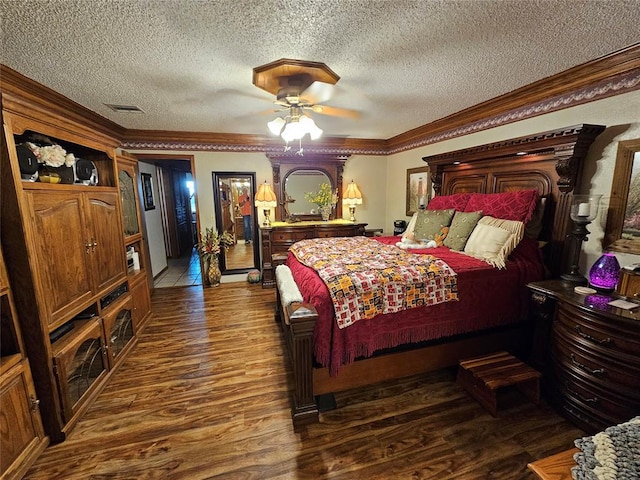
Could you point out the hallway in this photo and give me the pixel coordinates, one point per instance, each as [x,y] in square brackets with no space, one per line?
[181,272]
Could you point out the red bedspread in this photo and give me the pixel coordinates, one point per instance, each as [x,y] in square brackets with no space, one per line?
[488,297]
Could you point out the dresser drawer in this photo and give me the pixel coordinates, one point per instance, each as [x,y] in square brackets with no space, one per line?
[598,334]
[332,232]
[600,404]
[291,237]
[609,373]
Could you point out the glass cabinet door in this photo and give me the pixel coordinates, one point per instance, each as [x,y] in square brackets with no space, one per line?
[128,197]
[118,329]
[80,363]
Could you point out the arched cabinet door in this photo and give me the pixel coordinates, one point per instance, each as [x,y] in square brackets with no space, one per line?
[62,253]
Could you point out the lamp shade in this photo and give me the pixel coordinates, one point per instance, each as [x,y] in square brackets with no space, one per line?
[266,197]
[603,275]
[352,195]
[275,125]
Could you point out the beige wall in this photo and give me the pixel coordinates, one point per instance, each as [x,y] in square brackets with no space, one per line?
[382,179]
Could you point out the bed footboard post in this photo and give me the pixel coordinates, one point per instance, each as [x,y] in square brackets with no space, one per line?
[302,318]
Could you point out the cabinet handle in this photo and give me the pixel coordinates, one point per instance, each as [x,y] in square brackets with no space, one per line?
[87,248]
[94,244]
[577,414]
[597,371]
[35,403]
[539,298]
[576,394]
[590,338]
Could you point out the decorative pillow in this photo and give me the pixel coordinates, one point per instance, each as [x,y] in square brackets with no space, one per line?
[433,224]
[457,201]
[512,226]
[518,205]
[533,227]
[461,227]
[494,239]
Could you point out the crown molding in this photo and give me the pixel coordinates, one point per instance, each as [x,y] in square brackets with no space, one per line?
[604,77]
[21,94]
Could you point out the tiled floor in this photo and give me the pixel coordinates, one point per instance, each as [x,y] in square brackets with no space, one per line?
[181,272]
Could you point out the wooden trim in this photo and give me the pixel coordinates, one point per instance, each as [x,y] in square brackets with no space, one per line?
[20,95]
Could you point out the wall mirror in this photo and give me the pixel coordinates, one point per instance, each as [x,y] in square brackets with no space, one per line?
[234,194]
[622,233]
[293,176]
[299,182]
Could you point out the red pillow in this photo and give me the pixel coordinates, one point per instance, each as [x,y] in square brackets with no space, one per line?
[518,205]
[457,201]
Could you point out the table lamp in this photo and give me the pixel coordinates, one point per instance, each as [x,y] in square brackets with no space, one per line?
[266,199]
[352,197]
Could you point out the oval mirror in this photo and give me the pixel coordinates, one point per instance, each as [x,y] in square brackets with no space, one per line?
[300,182]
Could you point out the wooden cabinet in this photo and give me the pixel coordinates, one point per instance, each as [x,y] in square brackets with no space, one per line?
[66,246]
[22,437]
[137,251]
[78,248]
[277,239]
[593,356]
[141,302]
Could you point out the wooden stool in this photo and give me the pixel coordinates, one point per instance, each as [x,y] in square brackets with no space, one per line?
[482,377]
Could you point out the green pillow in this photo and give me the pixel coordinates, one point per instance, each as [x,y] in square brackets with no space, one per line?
[433,224]
[461,227]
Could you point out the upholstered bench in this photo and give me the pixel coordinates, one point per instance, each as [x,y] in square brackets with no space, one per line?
[484,377]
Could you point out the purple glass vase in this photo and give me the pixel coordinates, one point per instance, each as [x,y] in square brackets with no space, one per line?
[604,273]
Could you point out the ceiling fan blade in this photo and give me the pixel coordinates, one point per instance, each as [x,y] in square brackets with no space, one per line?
[335,111]
[317,92]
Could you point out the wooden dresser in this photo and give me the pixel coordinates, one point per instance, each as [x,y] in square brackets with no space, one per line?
[593,355]
[277,239]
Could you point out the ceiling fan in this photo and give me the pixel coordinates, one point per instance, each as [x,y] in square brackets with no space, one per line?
[300,87]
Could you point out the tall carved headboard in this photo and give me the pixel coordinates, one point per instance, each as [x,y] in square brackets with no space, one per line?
[550,162]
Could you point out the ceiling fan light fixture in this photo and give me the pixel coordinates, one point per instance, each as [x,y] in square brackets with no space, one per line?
[275,125]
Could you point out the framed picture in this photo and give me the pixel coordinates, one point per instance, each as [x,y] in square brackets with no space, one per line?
[418,189]
[147,191]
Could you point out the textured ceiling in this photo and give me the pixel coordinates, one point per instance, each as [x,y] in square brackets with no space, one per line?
[188,63]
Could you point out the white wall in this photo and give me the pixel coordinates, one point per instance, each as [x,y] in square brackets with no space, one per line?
[621,116]
[153,220]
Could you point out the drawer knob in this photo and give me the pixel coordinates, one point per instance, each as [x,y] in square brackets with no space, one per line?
[597,371]
[602,341]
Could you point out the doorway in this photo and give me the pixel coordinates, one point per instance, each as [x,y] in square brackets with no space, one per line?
[233,194]
[172,220]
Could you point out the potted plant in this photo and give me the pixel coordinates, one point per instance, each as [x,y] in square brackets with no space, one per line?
[325,198]
[209,246]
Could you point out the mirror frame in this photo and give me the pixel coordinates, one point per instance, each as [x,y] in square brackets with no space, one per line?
[283,165]
[217,176]
[613,240]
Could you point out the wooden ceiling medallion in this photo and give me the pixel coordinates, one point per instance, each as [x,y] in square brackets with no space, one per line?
[268,77]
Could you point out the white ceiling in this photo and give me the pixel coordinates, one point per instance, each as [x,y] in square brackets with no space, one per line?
[188,63]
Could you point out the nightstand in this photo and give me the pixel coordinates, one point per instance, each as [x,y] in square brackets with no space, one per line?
[591,358]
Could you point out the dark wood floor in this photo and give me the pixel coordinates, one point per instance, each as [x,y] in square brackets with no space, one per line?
[205,395]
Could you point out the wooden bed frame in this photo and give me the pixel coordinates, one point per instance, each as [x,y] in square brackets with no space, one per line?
[550,162]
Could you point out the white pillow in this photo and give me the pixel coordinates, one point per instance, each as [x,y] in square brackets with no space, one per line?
[491,244]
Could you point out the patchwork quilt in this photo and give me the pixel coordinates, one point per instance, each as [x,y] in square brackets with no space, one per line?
[366,278]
